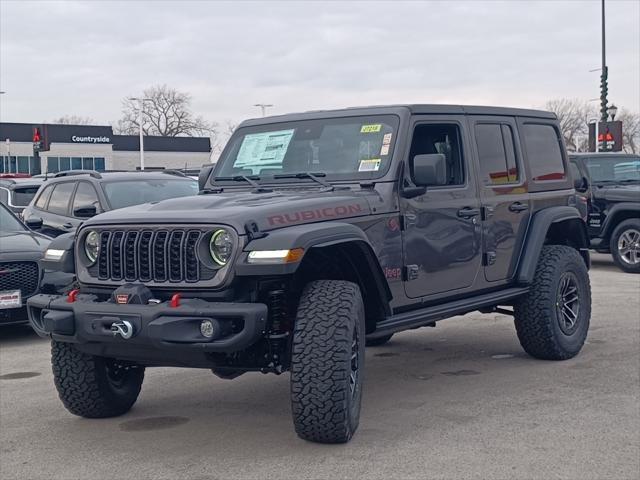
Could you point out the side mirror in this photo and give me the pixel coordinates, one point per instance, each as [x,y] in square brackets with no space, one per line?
[203,176]
[429,170]
[34,223]
[86,211]
[581,184]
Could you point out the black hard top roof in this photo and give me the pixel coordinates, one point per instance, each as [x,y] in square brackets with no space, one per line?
[411,108]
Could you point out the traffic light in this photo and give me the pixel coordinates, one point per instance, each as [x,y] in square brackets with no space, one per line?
[37,139]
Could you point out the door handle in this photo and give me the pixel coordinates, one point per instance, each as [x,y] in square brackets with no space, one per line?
[468,212]
[518,207]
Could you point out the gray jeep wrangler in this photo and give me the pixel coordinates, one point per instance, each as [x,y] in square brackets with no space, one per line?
[318,233]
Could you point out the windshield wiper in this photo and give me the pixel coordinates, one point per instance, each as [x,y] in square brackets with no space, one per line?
[257,188]
[629,180]
[313,176]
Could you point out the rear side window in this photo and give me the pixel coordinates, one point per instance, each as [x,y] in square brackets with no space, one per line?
[496,153]
[44,196]
[60,198]
[544,153]
[22,196]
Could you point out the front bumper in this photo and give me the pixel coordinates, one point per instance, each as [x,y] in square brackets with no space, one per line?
[157,328]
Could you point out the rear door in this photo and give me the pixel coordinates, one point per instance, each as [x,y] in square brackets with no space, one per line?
[503,192]
[441,228]
[56,218]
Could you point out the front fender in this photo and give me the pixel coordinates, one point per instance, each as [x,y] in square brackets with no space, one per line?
[611,221]
[66,262]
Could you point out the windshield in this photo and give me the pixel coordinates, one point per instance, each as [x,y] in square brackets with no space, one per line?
[22,196]
[134,192]
[613,169]
[340,148]
[8,222]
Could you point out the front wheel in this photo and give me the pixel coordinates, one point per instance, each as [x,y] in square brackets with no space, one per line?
[552,319]
[327,361]
[94,387]
[625,246]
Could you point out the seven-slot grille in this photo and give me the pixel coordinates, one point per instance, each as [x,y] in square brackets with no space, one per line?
[21,276]
[149,255]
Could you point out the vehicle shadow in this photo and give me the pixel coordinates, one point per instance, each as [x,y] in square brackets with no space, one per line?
[602,261]
[12,334]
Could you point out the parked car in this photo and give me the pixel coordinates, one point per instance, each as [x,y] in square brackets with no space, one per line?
[70,197]
[20,273]
[318,233]
[611,185]
[17,193]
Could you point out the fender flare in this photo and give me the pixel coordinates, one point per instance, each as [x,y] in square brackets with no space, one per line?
[310,236]
[609,223]
[537,233]
[66,263]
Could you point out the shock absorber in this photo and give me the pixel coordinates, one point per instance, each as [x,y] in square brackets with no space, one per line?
[277,335]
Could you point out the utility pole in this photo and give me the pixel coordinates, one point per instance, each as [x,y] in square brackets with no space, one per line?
[263,107]
[604,76]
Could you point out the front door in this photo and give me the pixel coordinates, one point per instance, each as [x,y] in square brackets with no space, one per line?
[441,228]
[503,190]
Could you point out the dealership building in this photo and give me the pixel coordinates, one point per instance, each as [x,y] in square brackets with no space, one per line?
[48,148]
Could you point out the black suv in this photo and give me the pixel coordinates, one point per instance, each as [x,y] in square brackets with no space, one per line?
[610,182]
[20,274]
[69,198]
[17,193]
[319,232]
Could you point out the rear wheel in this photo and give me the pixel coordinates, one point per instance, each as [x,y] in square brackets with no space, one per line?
[94,387]
[327,361]
[625,246]
[552,319]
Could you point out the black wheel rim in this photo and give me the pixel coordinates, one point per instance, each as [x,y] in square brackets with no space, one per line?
[353,374]
[568,303]
[117,373]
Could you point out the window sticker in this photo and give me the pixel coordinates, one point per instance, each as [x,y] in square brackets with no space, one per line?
[374,128]
[384,150]
[263,149]
[372,165]
[386,139]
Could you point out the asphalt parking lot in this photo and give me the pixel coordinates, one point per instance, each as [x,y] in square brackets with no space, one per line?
[458,401]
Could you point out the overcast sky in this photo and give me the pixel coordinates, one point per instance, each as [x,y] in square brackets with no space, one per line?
[82,58]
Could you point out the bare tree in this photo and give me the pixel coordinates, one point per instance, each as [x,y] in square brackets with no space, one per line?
[166,112]
[630,130]
[73,120]
[573,116]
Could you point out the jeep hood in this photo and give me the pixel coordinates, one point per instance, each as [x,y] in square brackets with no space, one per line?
[619,193]
[236,208]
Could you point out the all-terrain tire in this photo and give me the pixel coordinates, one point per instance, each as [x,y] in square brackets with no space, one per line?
[328,338]
[376,342]
[541,315]
[93,387]
[627,230]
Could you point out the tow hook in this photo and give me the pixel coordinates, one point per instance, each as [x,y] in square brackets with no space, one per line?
[122,328]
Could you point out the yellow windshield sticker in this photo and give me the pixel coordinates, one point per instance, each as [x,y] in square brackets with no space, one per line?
[371,128]
[372,165]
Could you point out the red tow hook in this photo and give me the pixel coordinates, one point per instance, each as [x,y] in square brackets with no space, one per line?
[71,296]
[175,300]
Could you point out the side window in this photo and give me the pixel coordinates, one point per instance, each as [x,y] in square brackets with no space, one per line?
[496,153]
[575,172]
[543,151]
[445,139]
[60,198]
[85,195]
[41,203]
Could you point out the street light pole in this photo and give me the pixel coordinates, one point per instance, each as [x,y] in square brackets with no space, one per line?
[140,112]
[263,107]
[604,76]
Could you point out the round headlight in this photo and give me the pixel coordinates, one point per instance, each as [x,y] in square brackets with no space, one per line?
[221,246]
[92,246]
